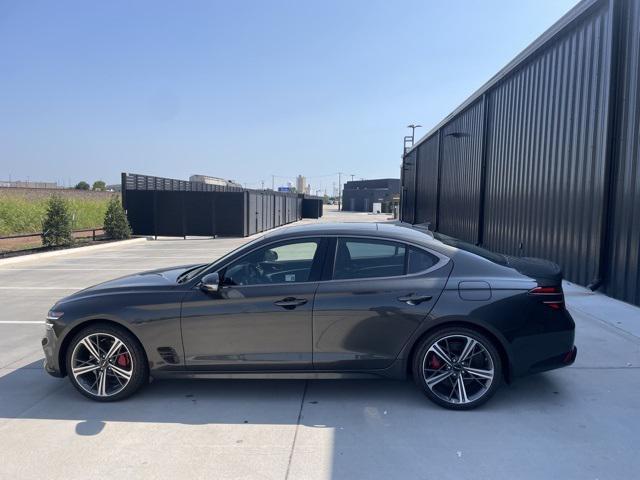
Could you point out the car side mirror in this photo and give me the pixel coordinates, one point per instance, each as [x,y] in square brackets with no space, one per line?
[210,282]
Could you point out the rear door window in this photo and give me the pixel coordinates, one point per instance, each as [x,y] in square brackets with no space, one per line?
[364,258]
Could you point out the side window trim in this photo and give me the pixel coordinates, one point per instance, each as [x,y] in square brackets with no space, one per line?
[319,260]
[330,259]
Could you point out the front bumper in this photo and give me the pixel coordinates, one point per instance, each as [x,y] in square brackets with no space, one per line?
[51,364]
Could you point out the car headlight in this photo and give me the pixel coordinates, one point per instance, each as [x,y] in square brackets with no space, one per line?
[52,316]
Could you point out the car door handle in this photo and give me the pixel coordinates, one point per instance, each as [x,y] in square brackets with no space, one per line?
[290,302]
[413,299]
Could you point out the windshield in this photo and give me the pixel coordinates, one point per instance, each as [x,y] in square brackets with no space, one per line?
[190,273]
[193,272]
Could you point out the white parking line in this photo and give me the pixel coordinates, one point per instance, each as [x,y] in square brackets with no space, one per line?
[18,322]
[146,249]
[41,288]
[139,257]
[45,269]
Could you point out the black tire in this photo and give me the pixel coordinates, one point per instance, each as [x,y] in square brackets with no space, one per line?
[139,368]
[421,372]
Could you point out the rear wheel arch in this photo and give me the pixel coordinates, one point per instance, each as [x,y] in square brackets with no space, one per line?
[504,357]
[62,352]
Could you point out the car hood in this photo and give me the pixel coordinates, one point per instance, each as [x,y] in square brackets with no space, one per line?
[161,278]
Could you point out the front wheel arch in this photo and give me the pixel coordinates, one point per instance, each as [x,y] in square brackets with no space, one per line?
[504,357]
[62,352]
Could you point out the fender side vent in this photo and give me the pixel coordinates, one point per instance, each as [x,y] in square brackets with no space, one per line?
[169,355]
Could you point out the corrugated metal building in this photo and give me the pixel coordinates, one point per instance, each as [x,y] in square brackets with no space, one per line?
[360,195]
[544,159]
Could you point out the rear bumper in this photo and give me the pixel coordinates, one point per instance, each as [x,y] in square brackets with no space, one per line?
[563,360]
[549,344]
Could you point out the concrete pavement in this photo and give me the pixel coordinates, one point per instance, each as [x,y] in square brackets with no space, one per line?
[578,422]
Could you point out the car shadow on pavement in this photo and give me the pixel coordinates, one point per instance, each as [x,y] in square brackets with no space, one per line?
[29,393]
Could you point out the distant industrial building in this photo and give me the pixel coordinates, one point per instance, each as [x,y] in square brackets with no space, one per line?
[361,195]
[213,181]
[27,184]
[302,186]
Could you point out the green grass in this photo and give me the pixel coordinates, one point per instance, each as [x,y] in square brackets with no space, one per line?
[21,215]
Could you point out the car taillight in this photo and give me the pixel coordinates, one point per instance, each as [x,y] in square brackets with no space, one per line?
[546,291]
[552,297]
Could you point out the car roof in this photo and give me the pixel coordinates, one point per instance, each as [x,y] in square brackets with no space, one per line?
[391,231]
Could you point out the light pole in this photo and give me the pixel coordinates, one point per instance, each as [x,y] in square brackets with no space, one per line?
[340,191]
[413,131]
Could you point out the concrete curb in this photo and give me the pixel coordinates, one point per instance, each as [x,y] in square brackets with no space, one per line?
[68,251]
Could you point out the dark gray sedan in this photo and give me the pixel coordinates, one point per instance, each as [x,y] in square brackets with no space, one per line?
[322,301]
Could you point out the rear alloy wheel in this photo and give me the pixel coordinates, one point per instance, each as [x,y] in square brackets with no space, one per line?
[458,368]
[106,363]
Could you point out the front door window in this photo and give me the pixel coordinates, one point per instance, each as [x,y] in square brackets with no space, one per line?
[291,262]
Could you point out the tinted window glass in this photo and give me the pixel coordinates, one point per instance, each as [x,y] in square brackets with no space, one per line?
[419,260]
[359,258]
[284,263]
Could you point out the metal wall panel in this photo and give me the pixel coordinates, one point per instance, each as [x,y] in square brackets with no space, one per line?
[170,222]
[198,213]
[408,191]
[460,174]
[230,212]
[140,207]
[427,181]
[164,206]
[311,207]
[552,161]
[623,278]
[546,153]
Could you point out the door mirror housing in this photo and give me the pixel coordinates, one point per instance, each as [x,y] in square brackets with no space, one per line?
[210,282]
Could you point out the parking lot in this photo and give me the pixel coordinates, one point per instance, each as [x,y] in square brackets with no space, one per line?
[579,422]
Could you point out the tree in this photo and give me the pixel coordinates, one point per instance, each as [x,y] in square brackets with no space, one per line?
[99,185]
[82,186]
[56,227]
[116,224]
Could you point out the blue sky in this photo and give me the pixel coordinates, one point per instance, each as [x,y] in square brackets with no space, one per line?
[241,90]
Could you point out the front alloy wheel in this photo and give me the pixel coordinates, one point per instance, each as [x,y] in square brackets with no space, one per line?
[105,363]
[458,368]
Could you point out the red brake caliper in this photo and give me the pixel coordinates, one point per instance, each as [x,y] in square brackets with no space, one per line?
[434,362]
[122,360]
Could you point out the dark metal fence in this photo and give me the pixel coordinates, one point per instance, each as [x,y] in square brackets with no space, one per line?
[167,207]
[544,160]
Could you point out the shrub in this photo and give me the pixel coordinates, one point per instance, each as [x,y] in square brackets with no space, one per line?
[56,227]
[116,224]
